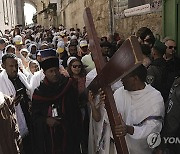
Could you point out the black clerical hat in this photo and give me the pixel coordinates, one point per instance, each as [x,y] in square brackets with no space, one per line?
[49,63]
[48,53]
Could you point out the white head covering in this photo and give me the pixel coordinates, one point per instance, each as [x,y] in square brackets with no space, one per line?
[8,46]
[24,49]
[30,47]
[69,60]
[27,41]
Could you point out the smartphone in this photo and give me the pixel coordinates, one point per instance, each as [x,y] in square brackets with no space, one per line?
[19,92]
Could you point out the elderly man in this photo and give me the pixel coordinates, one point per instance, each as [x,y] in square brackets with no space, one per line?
[172,65]
[56,116]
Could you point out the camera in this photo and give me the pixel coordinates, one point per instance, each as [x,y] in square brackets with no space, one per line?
[19,92]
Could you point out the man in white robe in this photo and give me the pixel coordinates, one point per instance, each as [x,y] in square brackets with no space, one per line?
[142,110]
[11,81]
[8,88]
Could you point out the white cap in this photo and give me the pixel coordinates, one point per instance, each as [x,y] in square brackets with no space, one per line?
[69,60]
[83,43]
[60,47]
[62,33]
[17,40]
[73,37]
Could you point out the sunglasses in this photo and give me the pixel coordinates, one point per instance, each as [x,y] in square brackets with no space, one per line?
[75,66]
[171,47]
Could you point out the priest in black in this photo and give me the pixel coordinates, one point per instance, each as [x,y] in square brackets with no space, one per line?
[55,113]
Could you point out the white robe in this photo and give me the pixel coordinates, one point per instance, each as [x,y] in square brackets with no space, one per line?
[134,107]
[2,100]
[7,88]
[36,80]
[99,136]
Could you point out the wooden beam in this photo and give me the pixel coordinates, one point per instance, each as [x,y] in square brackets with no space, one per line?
[126,59]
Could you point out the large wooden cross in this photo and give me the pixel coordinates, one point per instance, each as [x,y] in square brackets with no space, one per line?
[126,59]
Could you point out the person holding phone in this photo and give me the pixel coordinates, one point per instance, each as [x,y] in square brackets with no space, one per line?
[15,85]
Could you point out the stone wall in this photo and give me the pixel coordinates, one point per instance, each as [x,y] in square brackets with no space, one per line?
[71,14]
[100,13]
[125,26]
[130,25]
[8,16]
[43,18]
[20,12]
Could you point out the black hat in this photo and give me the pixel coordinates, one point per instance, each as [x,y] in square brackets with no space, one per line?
[49,63]
[48,53]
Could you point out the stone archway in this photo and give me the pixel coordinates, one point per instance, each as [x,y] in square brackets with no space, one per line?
[32,2]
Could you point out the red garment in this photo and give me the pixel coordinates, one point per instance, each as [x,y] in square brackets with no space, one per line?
[81,84]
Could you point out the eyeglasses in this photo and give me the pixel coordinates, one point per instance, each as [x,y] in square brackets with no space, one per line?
[75,66]
[171,47]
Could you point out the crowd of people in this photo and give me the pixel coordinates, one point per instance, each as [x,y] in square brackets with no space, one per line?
[46,107]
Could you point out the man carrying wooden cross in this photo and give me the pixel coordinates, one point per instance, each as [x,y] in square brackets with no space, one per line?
[140,105]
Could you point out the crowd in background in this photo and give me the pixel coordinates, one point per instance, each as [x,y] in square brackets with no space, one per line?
[24,55]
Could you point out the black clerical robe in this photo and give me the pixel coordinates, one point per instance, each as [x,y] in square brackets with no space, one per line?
[65,137]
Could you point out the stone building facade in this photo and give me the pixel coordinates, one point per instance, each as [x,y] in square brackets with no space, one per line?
[129,26]
[70,13]
[105,15]
[125,26]
[7,14]
[19,5]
